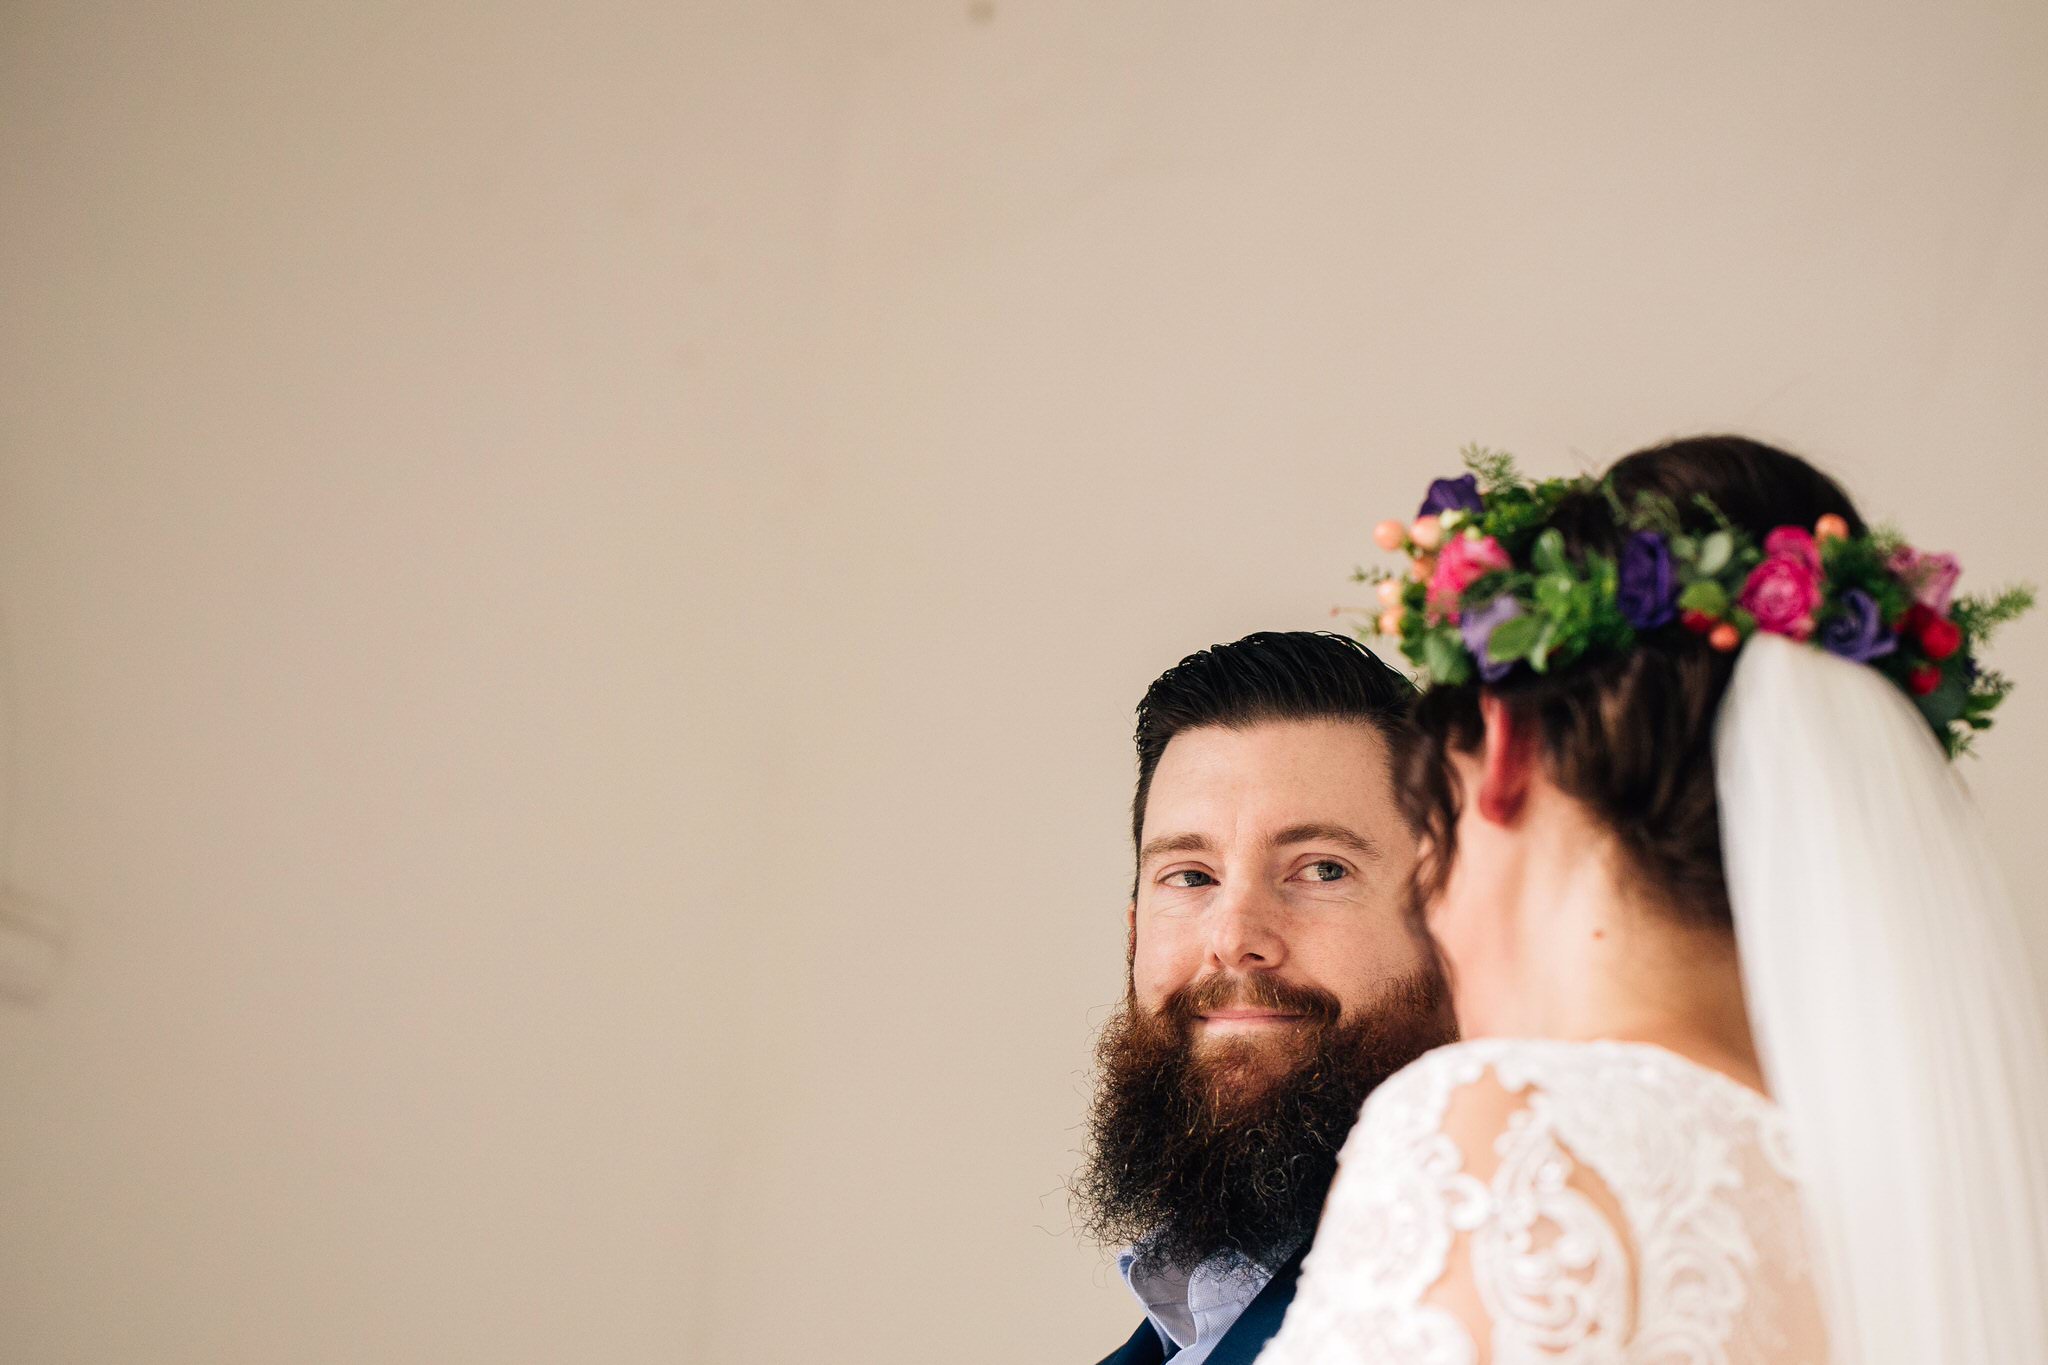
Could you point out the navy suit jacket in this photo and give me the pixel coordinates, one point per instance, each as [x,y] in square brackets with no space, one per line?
[1245,1339]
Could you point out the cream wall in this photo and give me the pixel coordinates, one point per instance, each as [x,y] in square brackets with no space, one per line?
[573,579]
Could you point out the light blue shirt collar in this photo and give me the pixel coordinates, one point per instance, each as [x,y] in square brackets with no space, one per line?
[1192,1309]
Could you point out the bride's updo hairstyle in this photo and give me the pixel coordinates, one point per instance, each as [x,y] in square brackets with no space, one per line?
[1631,736]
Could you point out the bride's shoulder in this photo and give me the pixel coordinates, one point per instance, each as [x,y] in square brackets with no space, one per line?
[1515,1063]
[1522,1062]
[1479,1082]
[1457,1085]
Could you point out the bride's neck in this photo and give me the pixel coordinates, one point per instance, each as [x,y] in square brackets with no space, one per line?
[1590,954]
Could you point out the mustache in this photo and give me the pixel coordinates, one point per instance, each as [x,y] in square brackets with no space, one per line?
[1225,990]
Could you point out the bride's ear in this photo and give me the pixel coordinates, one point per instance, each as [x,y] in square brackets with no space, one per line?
[1509,758]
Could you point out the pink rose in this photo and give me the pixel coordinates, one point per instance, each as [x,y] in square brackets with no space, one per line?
[1784,591]
[1790,542]
[1931,577]
[1463,562]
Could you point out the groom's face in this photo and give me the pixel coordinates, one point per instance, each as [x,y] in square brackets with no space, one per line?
[1273,984]
[1272,873]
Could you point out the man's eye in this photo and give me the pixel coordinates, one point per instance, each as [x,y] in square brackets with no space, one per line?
[1174,878]
[1327,871]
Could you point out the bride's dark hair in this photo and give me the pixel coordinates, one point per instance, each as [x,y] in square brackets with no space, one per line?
[1631,736]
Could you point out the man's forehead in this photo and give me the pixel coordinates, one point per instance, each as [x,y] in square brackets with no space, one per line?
[1350,751]
[1258,780]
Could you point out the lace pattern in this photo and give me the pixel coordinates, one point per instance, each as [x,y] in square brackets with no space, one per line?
[1507,1202]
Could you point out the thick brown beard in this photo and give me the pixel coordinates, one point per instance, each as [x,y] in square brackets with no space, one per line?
[1197,1148]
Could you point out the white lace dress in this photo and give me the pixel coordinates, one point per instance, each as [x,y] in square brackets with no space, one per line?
[1511,1201]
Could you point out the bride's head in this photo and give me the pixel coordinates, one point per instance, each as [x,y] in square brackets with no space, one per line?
[1541,794]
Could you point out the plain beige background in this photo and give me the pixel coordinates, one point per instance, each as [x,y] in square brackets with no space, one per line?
[574,577]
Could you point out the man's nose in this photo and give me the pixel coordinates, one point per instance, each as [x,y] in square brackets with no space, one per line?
[1244,930]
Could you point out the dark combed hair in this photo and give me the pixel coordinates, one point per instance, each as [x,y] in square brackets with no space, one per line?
[1629,736]
[1271,675]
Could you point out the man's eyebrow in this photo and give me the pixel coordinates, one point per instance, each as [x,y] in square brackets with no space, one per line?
[1173,843]
[1329,834]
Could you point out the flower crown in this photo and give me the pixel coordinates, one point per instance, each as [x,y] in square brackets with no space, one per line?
[1491,589]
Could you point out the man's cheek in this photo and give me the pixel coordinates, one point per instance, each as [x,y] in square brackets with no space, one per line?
[1154,978]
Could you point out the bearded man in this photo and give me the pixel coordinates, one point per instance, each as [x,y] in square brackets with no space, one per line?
[1272,982]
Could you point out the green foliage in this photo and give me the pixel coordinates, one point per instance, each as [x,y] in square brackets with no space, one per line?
[1495,469]
[1979,617]
[1653,512]
[1511,517]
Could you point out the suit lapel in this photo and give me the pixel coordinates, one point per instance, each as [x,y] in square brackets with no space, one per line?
[1142,1349]
[1261,1317]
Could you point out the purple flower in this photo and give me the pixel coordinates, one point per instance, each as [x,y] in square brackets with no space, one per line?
[1648,593]
[1452,495]
[1478,627]
[1857,632]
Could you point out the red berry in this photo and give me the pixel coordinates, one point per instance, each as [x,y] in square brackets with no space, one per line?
[1698,622]
[1940,637]
[1915,620]
[1725,637]
[1924,680]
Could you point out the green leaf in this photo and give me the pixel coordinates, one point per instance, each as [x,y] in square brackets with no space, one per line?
[1539,656]
[1705,596]
[1513,639]
[1548,553]
[1443,654]
[1715,552]
[1554,593]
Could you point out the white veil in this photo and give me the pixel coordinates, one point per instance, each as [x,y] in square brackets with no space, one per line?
[1898,1021]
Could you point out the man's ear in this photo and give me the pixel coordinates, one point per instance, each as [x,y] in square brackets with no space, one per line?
[1509,757]
[1130,933]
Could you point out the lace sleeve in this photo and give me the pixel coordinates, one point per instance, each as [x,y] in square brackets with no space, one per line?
[1460,1231]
